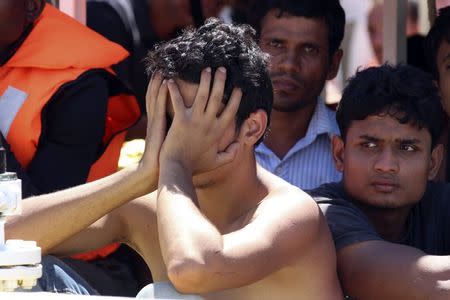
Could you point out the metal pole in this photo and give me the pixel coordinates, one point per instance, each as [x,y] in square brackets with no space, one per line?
[394,31]
[55,3]
[431,11]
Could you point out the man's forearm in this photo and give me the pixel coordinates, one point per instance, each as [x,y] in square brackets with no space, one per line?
[187,238]
[403,272]
[51,219]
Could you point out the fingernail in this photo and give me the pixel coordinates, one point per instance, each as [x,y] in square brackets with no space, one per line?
[208,69]
[164,81]
[171,80]
[223,70]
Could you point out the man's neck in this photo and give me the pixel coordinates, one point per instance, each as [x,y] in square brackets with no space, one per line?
[8,51]
[287,128]
[228,202]
[390,224]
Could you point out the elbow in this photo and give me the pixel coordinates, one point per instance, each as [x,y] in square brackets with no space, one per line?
[189,276]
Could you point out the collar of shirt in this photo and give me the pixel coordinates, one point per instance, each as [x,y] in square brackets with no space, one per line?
[323,121]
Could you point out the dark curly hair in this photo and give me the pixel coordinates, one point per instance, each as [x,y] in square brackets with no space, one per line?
[439,32]
[403,92]
[330,11]
[213,45]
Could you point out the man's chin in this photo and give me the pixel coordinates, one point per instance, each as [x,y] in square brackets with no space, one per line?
[290,104]
[386,202]
[287,107]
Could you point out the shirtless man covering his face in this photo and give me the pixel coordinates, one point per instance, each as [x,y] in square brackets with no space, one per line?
[218,226]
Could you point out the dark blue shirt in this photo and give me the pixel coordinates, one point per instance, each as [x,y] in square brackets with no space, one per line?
[427,228]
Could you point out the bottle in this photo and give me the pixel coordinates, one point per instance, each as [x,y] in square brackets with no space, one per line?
[10,189]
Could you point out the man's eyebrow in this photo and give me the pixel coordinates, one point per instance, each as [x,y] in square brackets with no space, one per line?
[369,138]
[409,141]
[311,44]
[274,34]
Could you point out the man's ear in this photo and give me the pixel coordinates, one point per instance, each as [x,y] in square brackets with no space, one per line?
[334,64]
[34,9]
[254,127]
[338,147]
[435,161]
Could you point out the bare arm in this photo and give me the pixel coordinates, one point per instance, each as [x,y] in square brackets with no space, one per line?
[133,223]
[107,230]
[51,219]
[383,270]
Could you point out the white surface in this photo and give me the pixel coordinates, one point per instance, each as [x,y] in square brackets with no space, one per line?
[51,296]
[10,197]
[18,252]
[19,265]
[19,260]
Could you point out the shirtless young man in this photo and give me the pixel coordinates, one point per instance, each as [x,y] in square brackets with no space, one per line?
[219,225]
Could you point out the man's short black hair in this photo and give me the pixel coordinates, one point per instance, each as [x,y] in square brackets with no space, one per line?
[439,32]
[214,45]
[330,11]
[403,92]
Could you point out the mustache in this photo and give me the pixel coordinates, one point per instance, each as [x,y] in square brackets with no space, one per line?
[387,179]
[290,76]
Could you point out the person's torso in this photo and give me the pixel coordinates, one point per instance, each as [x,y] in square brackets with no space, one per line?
[308,275]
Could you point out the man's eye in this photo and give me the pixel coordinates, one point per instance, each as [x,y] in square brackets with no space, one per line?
[275,43]
[369,145]
[408,148]
[310,49]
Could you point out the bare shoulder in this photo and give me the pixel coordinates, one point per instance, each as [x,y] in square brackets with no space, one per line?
[287,199]
[289,203]
[290,213]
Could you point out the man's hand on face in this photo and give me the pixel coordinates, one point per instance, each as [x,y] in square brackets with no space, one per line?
[156,127]
[194,136]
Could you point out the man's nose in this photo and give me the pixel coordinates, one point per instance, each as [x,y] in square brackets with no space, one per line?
[289,62]
[387,161]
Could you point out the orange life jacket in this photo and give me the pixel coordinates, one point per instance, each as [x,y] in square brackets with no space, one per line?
[57,51]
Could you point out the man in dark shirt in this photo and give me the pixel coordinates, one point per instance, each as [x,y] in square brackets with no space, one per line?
[73,120]
[126,23]
[44,173]
[438,56]
[138,25]
[391,227]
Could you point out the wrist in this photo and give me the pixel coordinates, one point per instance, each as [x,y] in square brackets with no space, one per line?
[175,166]
[147,174]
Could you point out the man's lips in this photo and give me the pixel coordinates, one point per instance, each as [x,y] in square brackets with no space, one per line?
[385,186]
[285,84]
